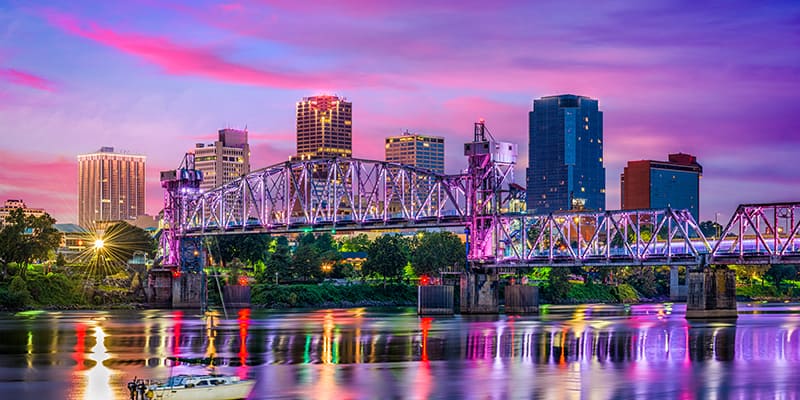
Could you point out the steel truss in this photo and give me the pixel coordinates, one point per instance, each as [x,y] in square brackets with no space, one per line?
[761,234]
[641,237]
[340,192]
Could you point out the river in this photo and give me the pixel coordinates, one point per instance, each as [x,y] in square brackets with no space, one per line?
[567,352]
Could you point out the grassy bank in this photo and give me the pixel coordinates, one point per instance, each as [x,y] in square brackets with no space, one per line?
[594,293]
[327,295]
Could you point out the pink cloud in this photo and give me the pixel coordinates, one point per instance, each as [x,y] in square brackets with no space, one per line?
[23,78]
[182,60]
[42,181]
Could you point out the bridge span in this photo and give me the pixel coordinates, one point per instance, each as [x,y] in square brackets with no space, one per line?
[347,194]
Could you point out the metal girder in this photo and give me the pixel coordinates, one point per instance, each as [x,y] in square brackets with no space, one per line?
[761,233]
[336,192]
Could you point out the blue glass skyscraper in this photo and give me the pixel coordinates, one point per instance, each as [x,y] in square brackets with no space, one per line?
[565,155]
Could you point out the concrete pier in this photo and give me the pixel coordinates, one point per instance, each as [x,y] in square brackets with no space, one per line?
[479,294]
[677,291]
[712,294]
[522,299]
[188,290]
[435,300]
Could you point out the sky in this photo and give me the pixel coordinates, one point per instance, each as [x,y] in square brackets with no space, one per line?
[717,79]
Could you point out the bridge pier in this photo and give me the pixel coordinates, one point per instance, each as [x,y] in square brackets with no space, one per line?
[435,300]
[479,293]
[522,299]
[677,292]
[188,290]
[712,293]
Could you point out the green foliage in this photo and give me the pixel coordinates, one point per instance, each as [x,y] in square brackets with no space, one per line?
[779,272]
[581,293]
[643,280]
[557,287]
[435,251]
[355,243]
[278,262]
[24,238]
[249,248]
[327,295]
[757,292]
[305,264]
[386,257]
[625,293]
[53,290]
[18,294]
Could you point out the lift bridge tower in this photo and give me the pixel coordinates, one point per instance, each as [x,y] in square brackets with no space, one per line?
[489,176]
[178,281]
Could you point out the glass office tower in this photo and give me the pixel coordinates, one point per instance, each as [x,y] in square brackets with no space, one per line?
[565,155]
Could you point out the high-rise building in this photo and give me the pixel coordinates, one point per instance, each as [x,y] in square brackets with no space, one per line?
[417,150]
[13,204]
[110,188]
[565,155]
[224,160]
[661,184]
[324,127]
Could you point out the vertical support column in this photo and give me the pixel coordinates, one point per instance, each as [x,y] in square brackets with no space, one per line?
[479,294]
[677,292]
[521,299]
[712,293]
[188,290]
[435,299]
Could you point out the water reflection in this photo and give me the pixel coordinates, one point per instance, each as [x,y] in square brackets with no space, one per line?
[583,351]
[98,376]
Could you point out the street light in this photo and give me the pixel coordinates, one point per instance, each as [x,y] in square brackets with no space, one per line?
[716,225]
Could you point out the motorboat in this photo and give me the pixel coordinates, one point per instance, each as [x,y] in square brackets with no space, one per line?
[193,387]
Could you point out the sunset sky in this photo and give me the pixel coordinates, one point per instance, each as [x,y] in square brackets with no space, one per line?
[150,77]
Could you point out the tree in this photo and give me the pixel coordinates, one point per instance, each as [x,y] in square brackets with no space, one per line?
[124,239]
[710,229]
[780,272]
[557,284]
[306,262]
[249,248]
[25,238]
[278,262]
[351,244]
[386,257]
[435,251]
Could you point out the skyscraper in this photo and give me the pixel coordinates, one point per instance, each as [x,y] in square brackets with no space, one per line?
[224,160]
[661,184]
[565,155]
[421,151]
[324,127]
[110,187]
[417,150]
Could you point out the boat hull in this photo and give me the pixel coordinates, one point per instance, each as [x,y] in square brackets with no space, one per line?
[233,391]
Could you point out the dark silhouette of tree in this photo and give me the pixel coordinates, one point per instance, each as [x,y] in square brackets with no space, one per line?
[278,262]
[386,257]
[305,264]
[435,251]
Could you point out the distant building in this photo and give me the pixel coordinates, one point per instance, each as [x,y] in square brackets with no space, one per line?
[416,150]
[74,240]
[324,127]
[13,204]
[565,156]
[225,160]
[111,187]
[661,184]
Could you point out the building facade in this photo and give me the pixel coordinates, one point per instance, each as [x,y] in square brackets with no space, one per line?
[565,155]
[324,127]
[111,187]
[13,204]
[421,151]
[226,159]
[661,184]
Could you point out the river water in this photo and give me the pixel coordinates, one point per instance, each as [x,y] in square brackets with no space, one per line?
[566,352]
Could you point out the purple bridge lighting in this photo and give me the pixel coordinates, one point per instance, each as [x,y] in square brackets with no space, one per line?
[347,194]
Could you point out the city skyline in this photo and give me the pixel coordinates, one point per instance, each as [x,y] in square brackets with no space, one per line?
[72,80]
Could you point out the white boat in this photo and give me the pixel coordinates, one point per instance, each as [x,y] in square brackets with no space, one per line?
[201,387]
